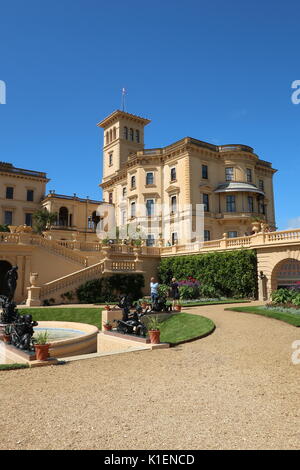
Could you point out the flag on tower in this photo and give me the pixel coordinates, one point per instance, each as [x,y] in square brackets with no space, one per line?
[124,93]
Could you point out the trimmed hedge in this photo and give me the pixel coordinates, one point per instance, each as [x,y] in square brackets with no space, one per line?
[108,289]
[228,274]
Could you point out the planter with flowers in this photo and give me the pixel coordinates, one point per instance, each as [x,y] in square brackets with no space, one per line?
[7,334]
[107,326]
[189,288]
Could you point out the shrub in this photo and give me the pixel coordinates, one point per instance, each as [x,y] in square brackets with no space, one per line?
[228,274]
[282,296]
[108,289]
[163,290]
[211,292]
[296,299]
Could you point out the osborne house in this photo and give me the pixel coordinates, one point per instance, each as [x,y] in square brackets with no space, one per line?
[223,193]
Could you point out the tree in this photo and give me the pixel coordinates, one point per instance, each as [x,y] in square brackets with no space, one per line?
[43,219]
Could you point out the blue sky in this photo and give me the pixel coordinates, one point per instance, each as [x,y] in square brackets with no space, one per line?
[217,71]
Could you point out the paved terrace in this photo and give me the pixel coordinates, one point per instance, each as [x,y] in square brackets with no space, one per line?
[235,389]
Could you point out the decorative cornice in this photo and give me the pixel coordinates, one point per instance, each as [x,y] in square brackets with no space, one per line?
[116,115]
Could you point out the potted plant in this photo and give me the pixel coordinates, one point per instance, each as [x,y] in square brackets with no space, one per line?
[7,334]
[41,346]
[178,307]
[107,326]
[154,329]
[107,306]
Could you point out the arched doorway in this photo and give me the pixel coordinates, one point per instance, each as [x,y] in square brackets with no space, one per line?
[95,220]
[63,217]
[4,267]
[286,274]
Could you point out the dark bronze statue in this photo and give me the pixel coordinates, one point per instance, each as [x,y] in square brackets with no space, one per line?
[160,305]
[11,278]
[131,322]
[9,312]
[21,326]
[22,332]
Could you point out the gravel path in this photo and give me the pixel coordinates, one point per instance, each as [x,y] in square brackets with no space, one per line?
[235,389]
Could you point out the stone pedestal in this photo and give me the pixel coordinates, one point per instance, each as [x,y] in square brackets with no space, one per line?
[33,297]
[111,315]
[262,289]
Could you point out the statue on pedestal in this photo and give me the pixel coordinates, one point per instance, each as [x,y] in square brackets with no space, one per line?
[21,325]
[11,278]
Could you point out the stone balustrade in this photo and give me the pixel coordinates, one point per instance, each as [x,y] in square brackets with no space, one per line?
[252,241]
[76,278]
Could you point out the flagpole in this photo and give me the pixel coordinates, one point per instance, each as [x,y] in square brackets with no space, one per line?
[123,99]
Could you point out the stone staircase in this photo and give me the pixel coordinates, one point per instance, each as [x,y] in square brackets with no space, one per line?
[71,282]
[51,246]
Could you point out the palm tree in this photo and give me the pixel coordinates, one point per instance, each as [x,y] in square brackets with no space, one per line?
[43,219]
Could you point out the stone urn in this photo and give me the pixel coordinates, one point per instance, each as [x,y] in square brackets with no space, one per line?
[33,279]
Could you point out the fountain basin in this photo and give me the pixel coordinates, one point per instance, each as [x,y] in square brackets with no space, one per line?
[69,338]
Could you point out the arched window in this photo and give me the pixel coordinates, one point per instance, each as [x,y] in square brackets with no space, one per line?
[131,137]
[137,136]
[110,135]
[124,191]
[133,182]
[133,209]
[107,138]
[125,133]
[114,133]
[63,216]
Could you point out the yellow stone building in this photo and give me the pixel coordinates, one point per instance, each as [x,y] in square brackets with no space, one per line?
[231,182]
[74,215]
[21,194]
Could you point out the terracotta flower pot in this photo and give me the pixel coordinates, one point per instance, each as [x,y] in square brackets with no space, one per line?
[178,308]
[107,307]
[107,327]
[42,351]
[6,338]
[154,336]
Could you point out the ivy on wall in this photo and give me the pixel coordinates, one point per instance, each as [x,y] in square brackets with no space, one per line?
[229,274]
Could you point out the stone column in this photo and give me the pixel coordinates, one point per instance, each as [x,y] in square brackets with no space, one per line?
[138,262]
[106,249]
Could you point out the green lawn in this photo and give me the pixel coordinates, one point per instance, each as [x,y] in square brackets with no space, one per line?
[292,319]
[92,316]
[185,327]
[13,366]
